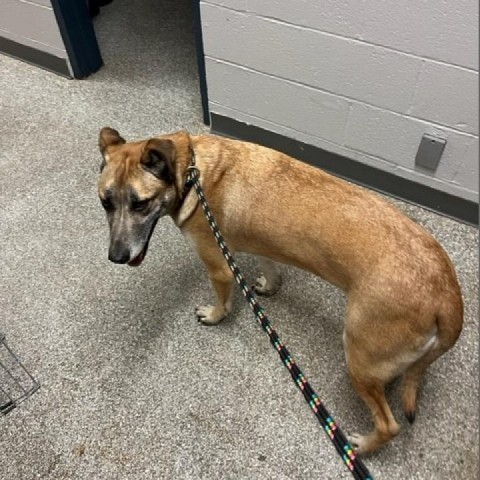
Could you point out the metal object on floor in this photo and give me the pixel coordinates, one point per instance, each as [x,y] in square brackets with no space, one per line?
[16,383]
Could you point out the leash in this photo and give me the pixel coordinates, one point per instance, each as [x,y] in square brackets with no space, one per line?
[341,444]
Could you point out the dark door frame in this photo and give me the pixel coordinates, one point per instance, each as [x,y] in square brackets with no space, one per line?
[78,35]
[76,28]
[197,25]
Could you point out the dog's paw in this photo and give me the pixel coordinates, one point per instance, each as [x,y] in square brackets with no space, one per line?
[262,287]
[209,315]
[358,442]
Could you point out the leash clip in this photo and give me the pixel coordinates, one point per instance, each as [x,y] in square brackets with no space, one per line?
[193,173]
[193,167]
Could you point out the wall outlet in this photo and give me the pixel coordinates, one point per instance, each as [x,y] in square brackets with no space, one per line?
[429,152]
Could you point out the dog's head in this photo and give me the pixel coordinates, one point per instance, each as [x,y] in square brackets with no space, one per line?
[137,186]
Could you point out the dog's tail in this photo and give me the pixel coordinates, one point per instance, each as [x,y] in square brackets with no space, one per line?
[449,323]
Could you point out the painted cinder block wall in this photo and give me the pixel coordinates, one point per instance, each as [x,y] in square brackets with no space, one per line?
[360,78]
[32,23]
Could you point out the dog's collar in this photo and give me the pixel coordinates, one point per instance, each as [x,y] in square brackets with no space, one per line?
[192,174]
[184,208]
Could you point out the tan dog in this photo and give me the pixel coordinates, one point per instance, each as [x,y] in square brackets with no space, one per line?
[404,301]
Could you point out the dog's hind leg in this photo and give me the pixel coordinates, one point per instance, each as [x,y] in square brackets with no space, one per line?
[448,327]
[369,384]
[372,393]
[369,377]
[411,380]
[270,281]
[221,278]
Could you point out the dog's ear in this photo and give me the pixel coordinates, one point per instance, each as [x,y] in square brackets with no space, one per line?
[108,136]
[158,158]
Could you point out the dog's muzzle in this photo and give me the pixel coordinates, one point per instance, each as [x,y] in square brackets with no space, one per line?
[119,253]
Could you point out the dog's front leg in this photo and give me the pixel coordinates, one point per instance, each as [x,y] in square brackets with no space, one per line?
[221,278]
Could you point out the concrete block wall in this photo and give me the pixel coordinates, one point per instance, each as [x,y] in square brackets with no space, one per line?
[32,23]
[364,79]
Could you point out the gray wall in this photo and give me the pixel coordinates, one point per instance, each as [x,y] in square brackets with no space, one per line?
[32,23]
[365,79]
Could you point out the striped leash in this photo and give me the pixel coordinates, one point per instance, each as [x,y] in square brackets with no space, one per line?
[341,444]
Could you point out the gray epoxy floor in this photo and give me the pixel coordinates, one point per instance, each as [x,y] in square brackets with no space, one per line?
[132,386]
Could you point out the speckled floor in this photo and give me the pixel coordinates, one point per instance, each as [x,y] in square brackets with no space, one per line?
[132,386]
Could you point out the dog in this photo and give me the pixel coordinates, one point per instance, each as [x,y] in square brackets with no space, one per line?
[404,306]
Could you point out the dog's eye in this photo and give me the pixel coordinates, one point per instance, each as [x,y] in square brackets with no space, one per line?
[107,203]
[140,205]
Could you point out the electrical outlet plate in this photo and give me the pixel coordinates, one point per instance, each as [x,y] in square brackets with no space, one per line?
[429,152]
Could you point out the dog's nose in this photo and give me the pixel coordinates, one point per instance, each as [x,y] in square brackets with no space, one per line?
[119,254]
